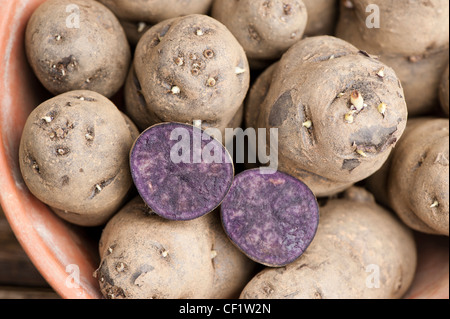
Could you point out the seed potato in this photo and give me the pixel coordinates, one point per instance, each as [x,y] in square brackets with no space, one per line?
[418,181]
[265,29]
[144,256]
[74,156]
[191,68]
[338,111]
[360,251]
[77,45]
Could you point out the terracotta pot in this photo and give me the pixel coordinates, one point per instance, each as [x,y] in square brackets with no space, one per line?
[59,250]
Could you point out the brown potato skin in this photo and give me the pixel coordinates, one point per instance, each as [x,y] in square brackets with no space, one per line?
[78,162]
[155,11]
[419,176]
[413,38]
[95,56]
[377,183]
[322,17]
[135,105]
[209,87]
[352,236]
[257,94]
[141,114]
[80,219]
[134,130]
[232,269]
[138,240]
[265,29]
[144,256]
[253,104]
[307,85]
[443,92]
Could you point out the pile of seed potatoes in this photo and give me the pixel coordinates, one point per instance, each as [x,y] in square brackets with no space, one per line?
[133,142]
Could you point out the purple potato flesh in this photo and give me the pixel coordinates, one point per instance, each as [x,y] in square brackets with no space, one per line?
[272,218]
[177,187]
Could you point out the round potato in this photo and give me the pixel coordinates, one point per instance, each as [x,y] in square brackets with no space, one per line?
[77,45]
[338,111]
[74,156]
[144,256]
[265,29]
[418,182]
[190,68]
[360,251]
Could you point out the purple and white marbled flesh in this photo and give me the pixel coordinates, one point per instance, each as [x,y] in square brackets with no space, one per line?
[272,218]
[185,190]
